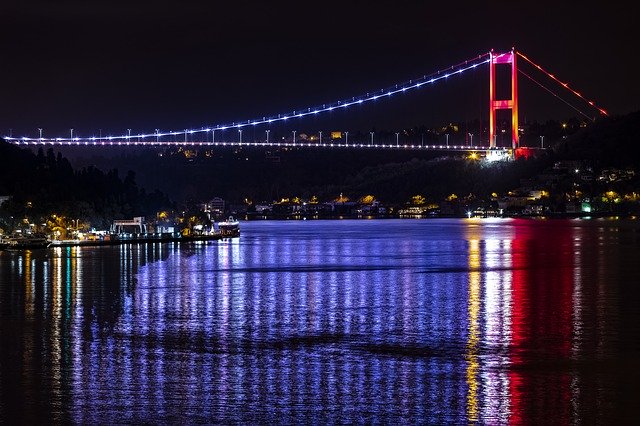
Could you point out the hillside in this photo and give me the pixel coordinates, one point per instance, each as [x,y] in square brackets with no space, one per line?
[44,183]
[609,142]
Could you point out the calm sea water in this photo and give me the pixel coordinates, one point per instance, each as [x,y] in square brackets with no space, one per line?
[382,321]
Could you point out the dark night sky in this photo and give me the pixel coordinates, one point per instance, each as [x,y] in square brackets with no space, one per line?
[114,65]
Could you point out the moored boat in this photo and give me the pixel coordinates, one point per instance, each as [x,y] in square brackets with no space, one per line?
[229,227]
[23,242]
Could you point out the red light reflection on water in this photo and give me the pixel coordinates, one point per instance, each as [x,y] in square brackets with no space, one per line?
[541,321]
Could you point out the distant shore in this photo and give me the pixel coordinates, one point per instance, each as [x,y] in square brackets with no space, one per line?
[597,215]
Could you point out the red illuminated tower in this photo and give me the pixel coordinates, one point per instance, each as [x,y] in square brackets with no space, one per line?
[503,58]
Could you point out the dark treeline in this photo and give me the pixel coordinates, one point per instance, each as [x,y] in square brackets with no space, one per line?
[610,142]
[391,176]
[253,173]
[44,183]
[436,179]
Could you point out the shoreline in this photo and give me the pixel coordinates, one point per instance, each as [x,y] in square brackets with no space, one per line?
[429,217]
[132,240]
[119,241]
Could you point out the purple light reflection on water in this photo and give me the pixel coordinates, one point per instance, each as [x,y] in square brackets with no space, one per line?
[436,321]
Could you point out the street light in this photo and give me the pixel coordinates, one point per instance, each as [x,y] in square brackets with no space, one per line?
[71,134]
[213,136]
[398,139]
[320,137]
[447,135]
[129,134]
[268,135]
[157,135]
[541,141]
[40,130]
[371,138]
[346,138]
[294,137]
[240,132]
[471,136]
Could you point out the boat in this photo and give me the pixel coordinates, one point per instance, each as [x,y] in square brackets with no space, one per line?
[22,242]
[229,227]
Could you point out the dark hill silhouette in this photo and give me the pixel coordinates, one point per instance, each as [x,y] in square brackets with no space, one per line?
[44,183]
[609,142]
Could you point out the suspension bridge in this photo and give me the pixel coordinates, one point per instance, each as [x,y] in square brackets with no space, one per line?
[206,136]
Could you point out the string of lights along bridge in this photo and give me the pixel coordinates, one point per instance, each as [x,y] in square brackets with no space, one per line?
[206,136]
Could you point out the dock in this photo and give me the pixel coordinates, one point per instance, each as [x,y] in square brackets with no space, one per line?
[133,231]
[140,238]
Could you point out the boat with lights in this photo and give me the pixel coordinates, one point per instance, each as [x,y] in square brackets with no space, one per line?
[229,227]
[24,242]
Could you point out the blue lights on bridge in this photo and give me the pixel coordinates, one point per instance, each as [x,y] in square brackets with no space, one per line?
[151,139]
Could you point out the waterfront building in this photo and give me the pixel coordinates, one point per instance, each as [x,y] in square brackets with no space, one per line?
[136,225]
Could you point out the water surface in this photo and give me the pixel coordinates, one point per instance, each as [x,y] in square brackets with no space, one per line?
[349,321]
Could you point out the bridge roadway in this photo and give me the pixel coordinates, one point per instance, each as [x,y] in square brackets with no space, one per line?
[158,144]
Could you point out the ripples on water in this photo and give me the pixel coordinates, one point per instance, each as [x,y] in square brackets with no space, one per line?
[385,321]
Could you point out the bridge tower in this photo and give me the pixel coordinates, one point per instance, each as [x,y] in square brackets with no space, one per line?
[494,104]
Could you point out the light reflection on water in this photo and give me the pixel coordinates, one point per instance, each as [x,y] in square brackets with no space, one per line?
[429,321]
